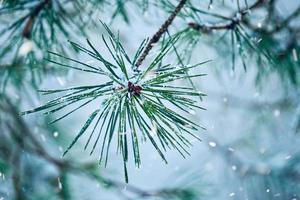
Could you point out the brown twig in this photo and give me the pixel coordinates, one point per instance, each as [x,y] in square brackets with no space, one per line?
[240,18]
[155,38]
[30,22]
[16,176]
[206,28]
[236,19]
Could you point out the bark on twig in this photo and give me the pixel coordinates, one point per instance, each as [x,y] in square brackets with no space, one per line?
[30,22]
[155,38]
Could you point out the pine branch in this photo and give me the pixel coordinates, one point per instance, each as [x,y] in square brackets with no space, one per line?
[29,28]
[237,18]
[135,102]
[240,18]
[255,39]
[155,38]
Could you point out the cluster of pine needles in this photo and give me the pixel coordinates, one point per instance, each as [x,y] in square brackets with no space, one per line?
[136,104]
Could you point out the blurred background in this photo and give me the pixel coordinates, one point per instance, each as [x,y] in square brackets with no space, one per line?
[251,147]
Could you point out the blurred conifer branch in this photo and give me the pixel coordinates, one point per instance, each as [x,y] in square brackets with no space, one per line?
[29,28]
[247,38]
[22,139]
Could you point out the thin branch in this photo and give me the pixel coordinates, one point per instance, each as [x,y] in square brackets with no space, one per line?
[237,18]
[30,22]
[155,38]
[16,175]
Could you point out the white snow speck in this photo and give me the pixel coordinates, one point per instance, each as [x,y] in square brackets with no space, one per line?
[192,112]
[276,113]
[212,144]
[295,55]
[288,157]
[259,24]
[258,40]
[26,47]
[231,149]
[55,134]
[232,194]
[233,167]
[59,183]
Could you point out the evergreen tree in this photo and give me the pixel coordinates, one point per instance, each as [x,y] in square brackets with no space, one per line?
[137,93]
